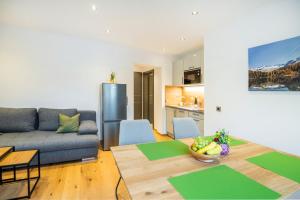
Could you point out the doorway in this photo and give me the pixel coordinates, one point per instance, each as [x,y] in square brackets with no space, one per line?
[148,96]
[144,94]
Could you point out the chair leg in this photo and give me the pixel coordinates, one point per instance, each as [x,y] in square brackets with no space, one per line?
[116,190]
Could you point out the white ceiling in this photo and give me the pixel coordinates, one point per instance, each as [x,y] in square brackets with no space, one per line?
[154,25]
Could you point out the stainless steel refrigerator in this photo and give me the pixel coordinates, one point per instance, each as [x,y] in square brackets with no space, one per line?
[113,109]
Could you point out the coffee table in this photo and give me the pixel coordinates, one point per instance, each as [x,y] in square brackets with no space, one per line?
[15,160]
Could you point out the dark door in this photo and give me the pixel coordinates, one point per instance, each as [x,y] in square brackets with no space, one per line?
[151,98]
[148,96]
[138,106]
[145,96]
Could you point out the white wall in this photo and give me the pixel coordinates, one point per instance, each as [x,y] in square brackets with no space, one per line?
[42,69]
[268,118]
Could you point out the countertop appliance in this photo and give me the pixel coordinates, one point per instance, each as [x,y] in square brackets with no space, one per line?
[113,109]
[192,76]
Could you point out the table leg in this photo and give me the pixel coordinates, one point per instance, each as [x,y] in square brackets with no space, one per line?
[117,186]
[39,163]
[14,167]
[28,181]
[0,175]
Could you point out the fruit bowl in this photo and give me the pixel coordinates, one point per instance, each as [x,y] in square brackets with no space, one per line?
[210,149]
[205,158]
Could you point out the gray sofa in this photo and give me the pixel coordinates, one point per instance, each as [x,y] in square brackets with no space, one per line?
[27,128]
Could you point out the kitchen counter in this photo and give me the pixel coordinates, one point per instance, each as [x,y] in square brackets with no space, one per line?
[187,108]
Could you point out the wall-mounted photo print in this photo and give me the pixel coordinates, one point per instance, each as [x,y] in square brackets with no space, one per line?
[275,66]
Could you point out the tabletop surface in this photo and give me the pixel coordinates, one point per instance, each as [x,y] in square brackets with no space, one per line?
[147,179]
[4,150]
[18,158]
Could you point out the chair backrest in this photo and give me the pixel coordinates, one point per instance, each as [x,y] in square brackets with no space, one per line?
[135,132]
[295,195]
[185,127]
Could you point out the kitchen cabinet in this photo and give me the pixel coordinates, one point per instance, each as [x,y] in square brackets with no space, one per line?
[196,59]
[199,119]
[188,62]
[193,60]
[198,62]
[181,113]
[178,72]
[170,112]
[176,112]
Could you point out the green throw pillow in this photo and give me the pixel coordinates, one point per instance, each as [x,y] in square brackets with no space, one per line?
[68,124]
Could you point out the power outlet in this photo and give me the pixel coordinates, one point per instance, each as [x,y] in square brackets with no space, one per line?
[218,108]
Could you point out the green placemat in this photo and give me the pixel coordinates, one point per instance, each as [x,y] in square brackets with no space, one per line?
[220,182]
[284,165]
[159,150]
[234,142]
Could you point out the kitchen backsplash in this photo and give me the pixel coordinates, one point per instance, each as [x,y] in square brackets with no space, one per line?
[176,94]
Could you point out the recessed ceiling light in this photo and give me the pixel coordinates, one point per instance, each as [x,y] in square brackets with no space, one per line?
[182,38]
[94,7]
[195,13]
[107,31]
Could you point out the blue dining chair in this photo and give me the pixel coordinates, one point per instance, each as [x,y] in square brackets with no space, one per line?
[185,127]
[295,195]
[134,132]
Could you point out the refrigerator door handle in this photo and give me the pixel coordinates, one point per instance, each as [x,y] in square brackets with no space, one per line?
[126,101]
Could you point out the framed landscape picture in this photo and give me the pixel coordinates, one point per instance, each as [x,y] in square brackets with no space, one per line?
[275,66]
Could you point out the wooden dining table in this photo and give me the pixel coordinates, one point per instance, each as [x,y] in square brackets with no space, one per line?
[146,179]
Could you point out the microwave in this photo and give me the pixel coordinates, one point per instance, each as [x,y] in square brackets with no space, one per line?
[192,76]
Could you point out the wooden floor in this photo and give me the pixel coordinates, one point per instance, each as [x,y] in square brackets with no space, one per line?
[76,180]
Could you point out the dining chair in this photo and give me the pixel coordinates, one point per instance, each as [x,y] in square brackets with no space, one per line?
[134,132]
[185,127]
[295,195]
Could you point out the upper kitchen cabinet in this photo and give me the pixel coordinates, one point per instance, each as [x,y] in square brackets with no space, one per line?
[178,72]
[188,61]
[198,62]
[194,60]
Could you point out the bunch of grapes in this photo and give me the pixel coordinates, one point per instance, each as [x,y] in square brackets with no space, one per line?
[222,137]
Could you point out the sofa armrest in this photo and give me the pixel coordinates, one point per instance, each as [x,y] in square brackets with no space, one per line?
[87,127]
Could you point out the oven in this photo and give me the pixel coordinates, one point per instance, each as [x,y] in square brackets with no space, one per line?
[192,76]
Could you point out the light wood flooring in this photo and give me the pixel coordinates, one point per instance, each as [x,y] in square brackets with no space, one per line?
[76,180]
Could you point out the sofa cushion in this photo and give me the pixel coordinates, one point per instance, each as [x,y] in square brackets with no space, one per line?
[47,141]
[48,118]
[17,119]
[87,127]
[87,115]
[68,124]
